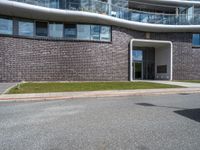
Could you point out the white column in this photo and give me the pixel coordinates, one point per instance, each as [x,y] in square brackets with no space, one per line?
[131,58]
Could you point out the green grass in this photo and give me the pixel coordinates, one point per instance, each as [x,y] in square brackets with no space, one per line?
[83,86]
[191,81]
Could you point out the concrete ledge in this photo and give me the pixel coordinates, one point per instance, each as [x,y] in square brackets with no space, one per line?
[73,95]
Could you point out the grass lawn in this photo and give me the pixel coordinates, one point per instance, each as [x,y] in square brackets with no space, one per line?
[83,86]
[192,81]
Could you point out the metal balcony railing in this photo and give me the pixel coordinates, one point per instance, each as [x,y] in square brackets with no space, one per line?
[104,8]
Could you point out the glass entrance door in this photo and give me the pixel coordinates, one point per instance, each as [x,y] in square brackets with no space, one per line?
[138,70]
[137,64]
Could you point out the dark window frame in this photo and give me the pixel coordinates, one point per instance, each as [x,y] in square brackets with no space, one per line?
[15,30]
[47,29]
[70,24]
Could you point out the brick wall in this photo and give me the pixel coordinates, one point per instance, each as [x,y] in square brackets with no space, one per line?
[186,62]
[53,60]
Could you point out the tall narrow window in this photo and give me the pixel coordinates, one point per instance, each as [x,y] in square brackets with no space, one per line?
[56,30]
[41,28]
[95,32]
[25,28]
[196,39]
[83,32]
[6,26]
[105,34]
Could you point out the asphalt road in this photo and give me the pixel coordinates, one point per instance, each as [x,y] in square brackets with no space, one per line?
[169,122]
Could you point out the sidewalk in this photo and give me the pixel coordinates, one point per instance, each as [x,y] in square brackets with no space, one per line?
[4,87]
[94,94]
[183,84]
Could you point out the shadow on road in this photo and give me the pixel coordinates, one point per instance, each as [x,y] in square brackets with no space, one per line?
[152,105]
[193,114]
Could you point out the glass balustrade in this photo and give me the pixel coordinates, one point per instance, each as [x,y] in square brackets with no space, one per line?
[118,12]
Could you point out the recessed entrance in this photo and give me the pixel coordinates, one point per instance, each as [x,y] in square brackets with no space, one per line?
[150,59]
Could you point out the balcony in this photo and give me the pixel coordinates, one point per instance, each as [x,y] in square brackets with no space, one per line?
[104,8]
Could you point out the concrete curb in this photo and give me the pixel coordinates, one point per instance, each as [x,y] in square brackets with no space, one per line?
[94,94]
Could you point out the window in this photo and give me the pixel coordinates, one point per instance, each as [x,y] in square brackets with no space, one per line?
[54,3]
[42,3]
[28,1]
[83,32]
[196,39]
[55,30]
[70,31]
[190,13]
[105,34]
[6,26]
[95,32]
[137,55]
[135,16]
[41,29]
[74,4]
[25,28]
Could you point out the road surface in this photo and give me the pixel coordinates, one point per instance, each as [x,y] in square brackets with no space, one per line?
[167,122]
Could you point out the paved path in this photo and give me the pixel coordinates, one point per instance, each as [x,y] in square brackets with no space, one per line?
[166,122]
[184,84]
[5,86]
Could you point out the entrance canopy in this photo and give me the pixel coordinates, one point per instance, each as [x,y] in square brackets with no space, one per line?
[162,60]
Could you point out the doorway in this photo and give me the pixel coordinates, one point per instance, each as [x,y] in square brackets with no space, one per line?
[138,70]
[148,56]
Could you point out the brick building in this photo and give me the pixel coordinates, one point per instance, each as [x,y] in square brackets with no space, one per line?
[90,40]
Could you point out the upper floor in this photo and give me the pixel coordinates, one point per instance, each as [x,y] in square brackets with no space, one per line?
[151,11]
[164,14]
